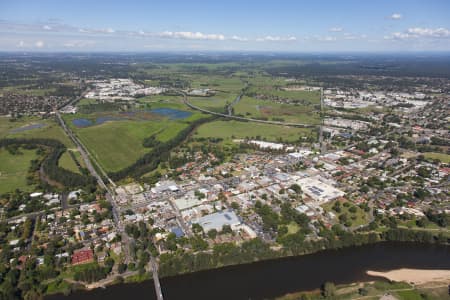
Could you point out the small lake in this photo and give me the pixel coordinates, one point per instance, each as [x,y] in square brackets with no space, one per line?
[81,122]
[171,113]
[272,278]
[28,127]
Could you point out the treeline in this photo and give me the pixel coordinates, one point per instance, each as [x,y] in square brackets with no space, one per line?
[159,153]
[91,273]
[50,162]
[254,250]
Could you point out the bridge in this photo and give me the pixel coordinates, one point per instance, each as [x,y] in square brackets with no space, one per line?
[154,266]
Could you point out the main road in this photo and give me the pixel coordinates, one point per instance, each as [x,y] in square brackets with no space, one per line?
[238,118]
[109,195]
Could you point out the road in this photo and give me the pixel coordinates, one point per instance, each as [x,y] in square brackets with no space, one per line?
[242,118]
[158,290]
[109,194]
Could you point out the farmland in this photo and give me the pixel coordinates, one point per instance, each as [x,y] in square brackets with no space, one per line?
[117,141]
[264,109]
[239,130]
[214,103]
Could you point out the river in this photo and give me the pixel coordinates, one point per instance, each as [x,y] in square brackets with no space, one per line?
[268,279]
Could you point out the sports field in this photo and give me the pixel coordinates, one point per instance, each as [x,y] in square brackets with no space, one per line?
[445,158]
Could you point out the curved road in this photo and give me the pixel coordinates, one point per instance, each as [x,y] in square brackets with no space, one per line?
[243,118]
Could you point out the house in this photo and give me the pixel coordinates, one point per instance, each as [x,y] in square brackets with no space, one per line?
[82,256]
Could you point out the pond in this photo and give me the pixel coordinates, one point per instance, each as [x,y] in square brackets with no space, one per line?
[28,127]
[171,113]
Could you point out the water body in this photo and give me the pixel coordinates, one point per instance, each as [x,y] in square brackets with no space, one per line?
[28,127]
[82,122]
[171,113]
[268,279]
[100,120]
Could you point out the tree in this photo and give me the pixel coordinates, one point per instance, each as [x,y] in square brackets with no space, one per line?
[212,233]
[226,229]
[328,290]
[122,268]
[296,188]
[197,228]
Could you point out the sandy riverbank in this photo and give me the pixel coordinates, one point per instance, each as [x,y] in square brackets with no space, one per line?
[415,276]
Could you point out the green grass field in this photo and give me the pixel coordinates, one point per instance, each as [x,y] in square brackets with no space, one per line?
[445,158]
[214,103]
[118,144]
[360,216]
[254,108]
[14,169]
[66,162]
[51,130]
[239,130]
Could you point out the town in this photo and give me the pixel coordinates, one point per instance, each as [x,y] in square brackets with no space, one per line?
[348,167]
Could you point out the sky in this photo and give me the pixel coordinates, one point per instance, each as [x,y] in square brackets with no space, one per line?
[226,25]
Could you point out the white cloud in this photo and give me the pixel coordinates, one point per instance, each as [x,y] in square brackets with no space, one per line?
[270,38]
[336,29]
[239,38]
[78,44]
[21,44]
[419,32]
[351,36]
[93,30]
[396,16]
[39,44]
[47,27]
[326,38]
[187,35]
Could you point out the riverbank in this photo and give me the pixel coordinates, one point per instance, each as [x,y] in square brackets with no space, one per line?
[270,279]
[414,276]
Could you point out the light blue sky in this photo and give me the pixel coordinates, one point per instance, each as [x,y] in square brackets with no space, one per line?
[295,26]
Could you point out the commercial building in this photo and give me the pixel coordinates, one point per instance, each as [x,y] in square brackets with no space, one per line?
[318,190]
[218,220]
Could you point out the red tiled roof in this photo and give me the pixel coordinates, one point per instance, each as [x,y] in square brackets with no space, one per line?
[82,256]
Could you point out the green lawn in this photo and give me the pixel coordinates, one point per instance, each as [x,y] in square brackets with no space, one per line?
[14,169]
[360,216]
[235,129]
[445,158]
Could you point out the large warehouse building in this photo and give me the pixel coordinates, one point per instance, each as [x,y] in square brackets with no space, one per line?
[318,190]
[218,220]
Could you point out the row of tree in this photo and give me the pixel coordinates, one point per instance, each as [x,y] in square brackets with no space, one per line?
[159,153]
[50,162]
